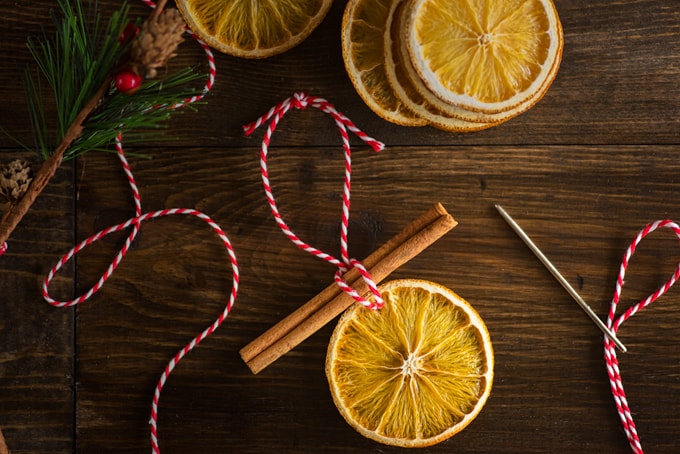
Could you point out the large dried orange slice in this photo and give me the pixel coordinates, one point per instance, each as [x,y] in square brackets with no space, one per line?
[414,373]
[363,29]
[485,56]
[253,28]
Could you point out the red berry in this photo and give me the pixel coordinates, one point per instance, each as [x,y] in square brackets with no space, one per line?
[130,31]
[128,81]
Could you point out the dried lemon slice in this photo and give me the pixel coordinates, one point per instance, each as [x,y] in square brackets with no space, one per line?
[414,373]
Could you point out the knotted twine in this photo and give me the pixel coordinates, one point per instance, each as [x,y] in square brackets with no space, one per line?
[134,224]
[345,263]
[614,324]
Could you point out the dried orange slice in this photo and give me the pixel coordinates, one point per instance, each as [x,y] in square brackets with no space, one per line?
[414,373]
[363,29]
[407,86]
[253,28]
[485,56]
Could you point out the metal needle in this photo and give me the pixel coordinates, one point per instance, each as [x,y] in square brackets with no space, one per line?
[537,252]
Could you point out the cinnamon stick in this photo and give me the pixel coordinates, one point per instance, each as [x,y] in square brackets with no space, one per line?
[3,446]
[282,328]
[332,301]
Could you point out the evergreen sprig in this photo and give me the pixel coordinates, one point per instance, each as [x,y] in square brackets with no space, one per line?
[142,115]
[78,65]
[74,63]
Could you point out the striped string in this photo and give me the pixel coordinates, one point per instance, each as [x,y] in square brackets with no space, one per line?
[345,263]
[212,71]
[134,224]
[614,324]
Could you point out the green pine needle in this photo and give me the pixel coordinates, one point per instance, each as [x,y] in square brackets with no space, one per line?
[74,63]
[140,115]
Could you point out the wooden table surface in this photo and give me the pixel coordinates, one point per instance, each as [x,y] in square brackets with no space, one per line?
[583,171]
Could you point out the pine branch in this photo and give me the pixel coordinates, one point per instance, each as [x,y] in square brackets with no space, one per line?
[91,111]
[142,114]
[74,62]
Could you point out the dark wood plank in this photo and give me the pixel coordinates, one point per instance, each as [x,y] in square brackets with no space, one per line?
[37,361]
[581,204]
[615,85]
[36,357]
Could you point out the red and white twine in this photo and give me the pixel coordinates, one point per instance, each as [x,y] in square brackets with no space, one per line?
[614,324]
[345,263]
[134,224]
[212,71]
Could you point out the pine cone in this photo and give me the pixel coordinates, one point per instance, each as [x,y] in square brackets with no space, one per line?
[157,40]
[15,178]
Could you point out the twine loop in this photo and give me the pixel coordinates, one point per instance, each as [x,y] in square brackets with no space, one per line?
[301,100]
[613,323]
[134,224]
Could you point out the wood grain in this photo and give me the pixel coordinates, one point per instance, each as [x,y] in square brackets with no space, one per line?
[582,172]
[37,354]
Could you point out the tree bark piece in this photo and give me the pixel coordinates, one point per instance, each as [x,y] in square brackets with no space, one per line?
[18,210]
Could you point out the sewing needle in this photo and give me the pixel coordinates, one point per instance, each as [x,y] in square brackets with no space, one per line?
[581,302]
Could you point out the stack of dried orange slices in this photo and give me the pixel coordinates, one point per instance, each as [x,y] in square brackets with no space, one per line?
[459,65]
[414,373]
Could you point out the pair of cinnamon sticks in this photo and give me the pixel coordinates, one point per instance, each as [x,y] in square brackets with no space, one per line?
[332,301]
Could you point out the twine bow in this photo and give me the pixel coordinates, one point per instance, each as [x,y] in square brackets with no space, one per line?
[345,263]
[614,324]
